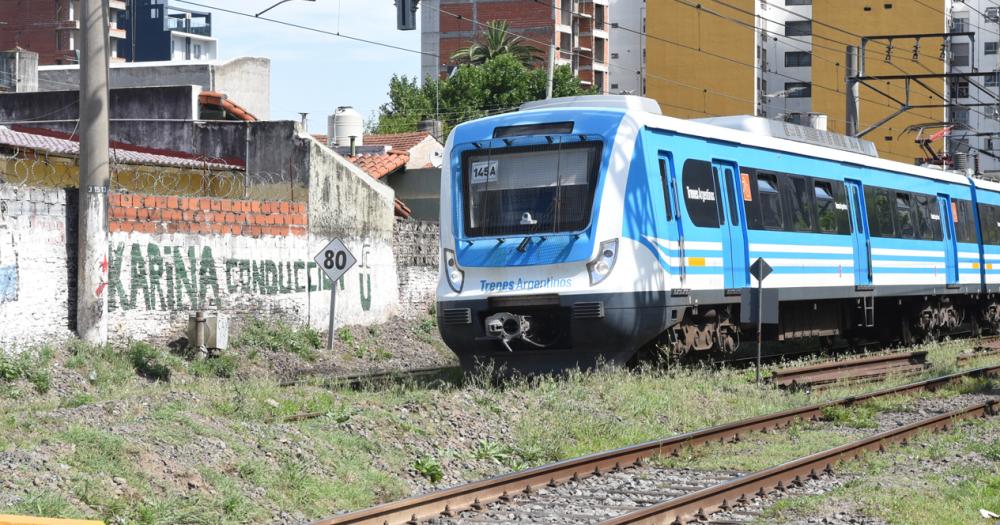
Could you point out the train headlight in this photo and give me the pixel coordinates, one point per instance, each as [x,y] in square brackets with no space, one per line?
[602,265]
[455,275]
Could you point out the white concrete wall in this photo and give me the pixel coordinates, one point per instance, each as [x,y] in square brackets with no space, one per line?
[628,69]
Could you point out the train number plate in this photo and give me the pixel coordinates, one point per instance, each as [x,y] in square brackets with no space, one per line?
[484,171]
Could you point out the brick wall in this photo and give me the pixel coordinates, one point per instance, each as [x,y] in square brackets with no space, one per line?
[37,266]
[149,214]
[416,245]
[32,24]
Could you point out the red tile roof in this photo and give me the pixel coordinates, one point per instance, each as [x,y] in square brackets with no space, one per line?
[379,165]
[398,141]
[214,98]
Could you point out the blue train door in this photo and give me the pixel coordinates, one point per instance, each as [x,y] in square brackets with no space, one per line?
[950,246]
[861,235]
[735,257]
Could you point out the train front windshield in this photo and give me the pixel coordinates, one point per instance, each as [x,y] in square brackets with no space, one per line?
[526,190]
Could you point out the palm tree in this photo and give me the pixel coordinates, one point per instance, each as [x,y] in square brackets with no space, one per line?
[497,40]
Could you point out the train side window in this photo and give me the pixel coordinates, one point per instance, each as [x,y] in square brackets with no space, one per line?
[826,209]
[700,193]
[879,212]
[801,202]
[841,209]
[988,223]
[665,181]
[734,211]
[927,218]
[770,201]
[965,227]
[904,217]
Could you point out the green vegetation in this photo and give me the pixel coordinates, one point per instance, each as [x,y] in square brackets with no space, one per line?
[277,336]
[429,468]
[500,83]
[31,366]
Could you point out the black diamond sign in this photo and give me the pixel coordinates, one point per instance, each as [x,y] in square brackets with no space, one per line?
[760,269]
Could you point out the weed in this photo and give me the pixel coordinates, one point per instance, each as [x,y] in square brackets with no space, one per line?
[148,361]
[861,416]
[279,337]
[429,468]
[345,336]
[76,400]
[492,451]
[428,325]
[29,365]
[223,366]
[991,451]
[46,504]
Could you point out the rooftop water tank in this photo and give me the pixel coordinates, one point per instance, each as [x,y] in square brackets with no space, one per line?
[344,124]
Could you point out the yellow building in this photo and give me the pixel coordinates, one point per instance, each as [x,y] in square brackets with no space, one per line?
[769,58]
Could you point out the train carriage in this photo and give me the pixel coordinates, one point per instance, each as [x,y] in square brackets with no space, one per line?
[583,229]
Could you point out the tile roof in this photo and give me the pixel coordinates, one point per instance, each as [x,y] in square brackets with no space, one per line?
[214,98]
[379,165]
[398,141]
[59,143]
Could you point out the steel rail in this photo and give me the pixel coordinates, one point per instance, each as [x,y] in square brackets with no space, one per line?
[476,494]
[698,505]
[866,367]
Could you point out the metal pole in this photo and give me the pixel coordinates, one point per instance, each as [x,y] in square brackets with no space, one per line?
[92,253]
[333,312]
[760,322]
[851,93]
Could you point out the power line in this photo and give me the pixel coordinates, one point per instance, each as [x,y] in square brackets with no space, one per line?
[307,28]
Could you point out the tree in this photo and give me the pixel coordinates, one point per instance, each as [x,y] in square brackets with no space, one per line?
[498,85]
[497,40]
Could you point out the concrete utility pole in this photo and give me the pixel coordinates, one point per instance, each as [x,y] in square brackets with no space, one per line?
[92,253]
[551,72]
[851,93]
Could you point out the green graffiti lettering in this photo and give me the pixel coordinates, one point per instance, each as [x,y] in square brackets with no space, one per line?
[259,278]
[366,301]
[168,270]
[207,278]
[138,277]
[245,280]
[284,278]
[341,281]
[155,274]
[183,281]
[230,264]
[271,277]
[116,292]
[298,265]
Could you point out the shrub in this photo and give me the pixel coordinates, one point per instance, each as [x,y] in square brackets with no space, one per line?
[429,468]
[148,361]
[280,337]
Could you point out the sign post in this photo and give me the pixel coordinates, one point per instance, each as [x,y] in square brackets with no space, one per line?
[334,259]
[760,270]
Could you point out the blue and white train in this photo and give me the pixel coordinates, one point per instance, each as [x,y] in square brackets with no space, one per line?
[583,229]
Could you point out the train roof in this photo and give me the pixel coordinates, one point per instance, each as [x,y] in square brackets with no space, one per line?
[744,130]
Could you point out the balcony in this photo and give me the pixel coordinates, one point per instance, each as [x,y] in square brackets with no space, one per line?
[185,26]
[118,4]
[114,32]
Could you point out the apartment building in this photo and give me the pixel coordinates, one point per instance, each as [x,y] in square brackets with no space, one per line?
[160,31]
[51,28]
[580,29]
[976,112]
[628,47]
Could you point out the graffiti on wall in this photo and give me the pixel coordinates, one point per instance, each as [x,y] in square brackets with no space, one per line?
[8,267]
[192,278]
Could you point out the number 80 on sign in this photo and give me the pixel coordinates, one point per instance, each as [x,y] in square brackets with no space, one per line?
[335,259]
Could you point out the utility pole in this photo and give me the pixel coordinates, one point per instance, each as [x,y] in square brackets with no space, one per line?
[552,54]
[92,227]
[851,93]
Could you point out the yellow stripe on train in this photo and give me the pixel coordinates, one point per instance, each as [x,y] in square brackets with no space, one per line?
[28,520]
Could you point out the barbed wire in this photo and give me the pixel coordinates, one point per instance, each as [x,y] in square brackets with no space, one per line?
[209,177]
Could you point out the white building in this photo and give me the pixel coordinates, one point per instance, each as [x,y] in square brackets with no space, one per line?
[784,56]
[627,62]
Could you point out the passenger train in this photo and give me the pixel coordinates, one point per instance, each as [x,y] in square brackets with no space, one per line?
[584,229]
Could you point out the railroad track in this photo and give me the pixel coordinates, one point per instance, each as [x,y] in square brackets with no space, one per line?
[448,503]
[867,368]
[376,377]
[986,347]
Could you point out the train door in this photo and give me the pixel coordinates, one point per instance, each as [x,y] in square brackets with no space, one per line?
[861,235]
[948,217]
[672,202]
[734,242]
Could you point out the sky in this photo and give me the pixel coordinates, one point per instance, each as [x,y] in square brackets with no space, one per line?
[313,72]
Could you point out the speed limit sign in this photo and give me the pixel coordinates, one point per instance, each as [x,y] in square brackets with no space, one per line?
[335,259]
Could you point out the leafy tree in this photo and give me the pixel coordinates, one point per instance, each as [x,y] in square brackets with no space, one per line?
[496,40]
[500,84]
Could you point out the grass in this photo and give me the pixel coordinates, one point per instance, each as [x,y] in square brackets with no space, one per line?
[279,337]
[31,366]
[227,429]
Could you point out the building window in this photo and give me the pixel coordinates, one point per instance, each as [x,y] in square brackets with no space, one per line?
[798,89]
[798,59]
[960,115]
[614,55]
[798,2]
[960,89]
[990,48]
[614,85]
[960,54]
[197,51]
[991,80]
[993,14]
[798,28]
[154,13]
[959,25]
